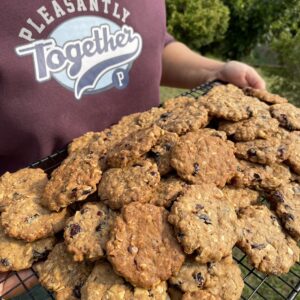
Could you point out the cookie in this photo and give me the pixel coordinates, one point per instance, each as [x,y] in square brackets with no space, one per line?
[229,102]
[16,255]
[260,177]
[104,284]
[269,248]
[142,247]
[74,180]
[61,275]
[200,158]
[205,223]
[84,141]
[203,295]
[287,114]
[265,96]
[167,191]
[241,197]
[286,200]
[16,186]
[264,152]
[180,102]
[161,152]
[87,232]
[122,186]
[294,158]
[133,147]
[184,119]
[260,127]
[222,279]
[150,117]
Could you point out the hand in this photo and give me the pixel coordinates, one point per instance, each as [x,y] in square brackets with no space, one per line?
[241,75]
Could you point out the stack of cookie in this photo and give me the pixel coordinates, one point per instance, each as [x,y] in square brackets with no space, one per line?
[152,207]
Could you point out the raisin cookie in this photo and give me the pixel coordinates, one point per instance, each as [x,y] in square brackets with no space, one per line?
[229,102]
[205,223]
[142,247]
[122,186]
[74,180]
[133,147]
[16,186]
[61,275]
[268,247]
[16,255]
[286,200]
[287,114]
[222,279]
[294,158]
[203,295]
[260,127]
[265,96]
[200,158]
[88,231]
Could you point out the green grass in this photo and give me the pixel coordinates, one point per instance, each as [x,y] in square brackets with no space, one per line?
[167,93]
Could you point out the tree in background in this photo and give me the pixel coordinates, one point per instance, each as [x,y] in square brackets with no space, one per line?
[197,22]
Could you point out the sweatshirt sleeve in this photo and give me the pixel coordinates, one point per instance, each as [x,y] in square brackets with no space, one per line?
[169,39]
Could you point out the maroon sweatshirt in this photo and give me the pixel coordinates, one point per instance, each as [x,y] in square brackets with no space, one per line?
[72,66]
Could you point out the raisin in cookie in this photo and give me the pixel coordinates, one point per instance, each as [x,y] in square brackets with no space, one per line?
[201,158]
[222,279]
[286,200]
[88,231]
[74,180]
[61,275]
[142,247]
[16,255]
[122,186]
[205,223]
[268,247]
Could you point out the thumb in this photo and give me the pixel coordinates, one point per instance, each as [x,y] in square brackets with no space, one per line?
[254,80]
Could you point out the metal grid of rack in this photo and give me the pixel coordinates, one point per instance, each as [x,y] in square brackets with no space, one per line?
[258,286]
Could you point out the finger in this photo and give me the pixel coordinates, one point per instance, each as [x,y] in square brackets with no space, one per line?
[254,80]
[13,286]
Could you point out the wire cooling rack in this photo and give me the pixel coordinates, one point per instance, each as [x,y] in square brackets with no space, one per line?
[258,286]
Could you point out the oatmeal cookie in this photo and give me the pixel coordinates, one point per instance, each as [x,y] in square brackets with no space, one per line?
[74,180]
[294,158]
[142,247]
[16,255]
[203,295]
[265,96]
[260,127]
[222,279]
[286,200]
[287,114]
[133,147]
[122,186]
[161,152]
[180,102]
[205,223]
[168,190]
[88,231]
[61,275]
[264,152]
[17,186]
[229,102]
[268,247]
[200,158]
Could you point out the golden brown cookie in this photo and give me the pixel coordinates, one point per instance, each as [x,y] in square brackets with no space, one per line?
[201,158]
[87,232]
[265,96]
[268,247]
[205,223]
[287,114]
[61,275]
[143,248]
[135,183]
[73,181]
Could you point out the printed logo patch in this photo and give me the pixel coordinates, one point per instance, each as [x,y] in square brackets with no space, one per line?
[86,55]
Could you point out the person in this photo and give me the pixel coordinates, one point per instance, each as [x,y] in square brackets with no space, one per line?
[72,66]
